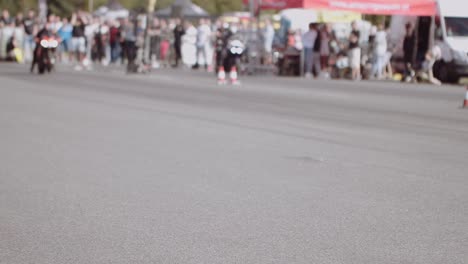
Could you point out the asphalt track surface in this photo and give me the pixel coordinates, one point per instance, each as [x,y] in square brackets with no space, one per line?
[103,167]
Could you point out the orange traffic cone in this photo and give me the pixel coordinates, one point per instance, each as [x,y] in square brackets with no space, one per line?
[233,76]
[221,76]
[465,102]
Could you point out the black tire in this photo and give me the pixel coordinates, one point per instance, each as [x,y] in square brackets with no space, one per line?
[442,72]
[41,68]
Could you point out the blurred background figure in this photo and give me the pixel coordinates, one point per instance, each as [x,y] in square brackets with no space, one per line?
[204,46]
[78,41]
[188,48]
[65,34]
[6,19]
[325,38]
[268,37]
[427,73]
[154,33]
[115,38]
[308,42]
[178,31]
[380,52]
[8,31]
[19,38]
[90,32]
[130,49]
[100,43]
[165,47]
[354,53]
[30,29]
[316,52]
[408,52]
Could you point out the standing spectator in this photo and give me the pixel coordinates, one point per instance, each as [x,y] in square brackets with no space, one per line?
[380,52]
[203,44]
[78,40]
[124,23]
[140,40]
[432,55]
[19,18]
[19,38]
[12,50]
[308,41]
[165,47]
[91,30]
[316,55]
[7,32]
[408,49]
[54,23]
[355,52]
[154,33]
[178,33]
[65,35]
[2,26]
[371,45]
[30,28]
[130,38]
[101,42]
[114,42]
[325,38]
[268,37]
[189,45]
[6,18]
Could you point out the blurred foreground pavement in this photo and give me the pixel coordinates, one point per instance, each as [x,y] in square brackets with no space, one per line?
[103,167]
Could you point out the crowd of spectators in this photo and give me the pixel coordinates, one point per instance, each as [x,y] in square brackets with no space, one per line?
[86,40]
[322,50]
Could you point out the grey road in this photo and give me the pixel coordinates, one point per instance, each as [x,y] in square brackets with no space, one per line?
[101,167]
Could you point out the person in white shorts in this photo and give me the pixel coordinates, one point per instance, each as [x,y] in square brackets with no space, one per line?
[78,41]
[355,53]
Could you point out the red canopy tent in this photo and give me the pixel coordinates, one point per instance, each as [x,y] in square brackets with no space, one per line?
[381,7]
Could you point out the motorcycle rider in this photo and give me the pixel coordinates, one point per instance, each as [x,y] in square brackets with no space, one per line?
[43,32]
[234,48]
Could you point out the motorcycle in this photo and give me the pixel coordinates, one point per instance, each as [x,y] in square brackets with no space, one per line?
[45,54]
[234,53]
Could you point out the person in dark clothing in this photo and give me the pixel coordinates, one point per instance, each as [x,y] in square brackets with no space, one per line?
[29,23]
[408,50]
[100,39]
[178,33]
[222,37]
[11,46]
[316,54]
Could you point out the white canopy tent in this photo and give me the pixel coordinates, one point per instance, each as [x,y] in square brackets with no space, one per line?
[113,10]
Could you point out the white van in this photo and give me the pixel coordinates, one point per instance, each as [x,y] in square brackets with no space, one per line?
[451,35]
